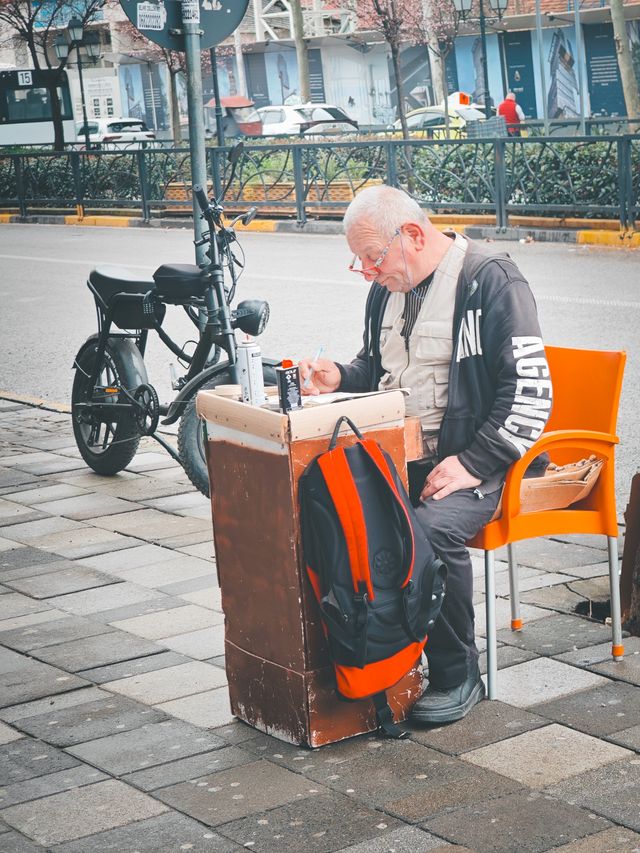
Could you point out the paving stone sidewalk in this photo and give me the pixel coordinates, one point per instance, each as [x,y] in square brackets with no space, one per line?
[115,727]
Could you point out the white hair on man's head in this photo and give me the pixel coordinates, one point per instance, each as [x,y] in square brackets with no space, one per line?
[385,208]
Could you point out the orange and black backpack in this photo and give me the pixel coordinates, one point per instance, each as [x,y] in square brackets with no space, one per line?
[377,580]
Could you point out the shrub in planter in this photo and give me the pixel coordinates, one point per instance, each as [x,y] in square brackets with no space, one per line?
[8,180]
[563,173]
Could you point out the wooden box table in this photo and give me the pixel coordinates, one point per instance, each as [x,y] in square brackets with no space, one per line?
[280,678]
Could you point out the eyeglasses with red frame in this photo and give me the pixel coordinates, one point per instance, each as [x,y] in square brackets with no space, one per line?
[376,268]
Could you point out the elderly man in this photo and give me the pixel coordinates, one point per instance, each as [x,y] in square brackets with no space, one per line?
[512,114]
[458,327]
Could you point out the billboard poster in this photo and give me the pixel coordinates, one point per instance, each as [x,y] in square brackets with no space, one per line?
[416,78]
[316,76]
[282,75]
[154,84]
[227,78]
[256,79]
[451,72]
[469,64]
[143,94]
[183,99]
[563,97]
[519,70]
[132,92]
[605,85]
[633,29]
[561,72]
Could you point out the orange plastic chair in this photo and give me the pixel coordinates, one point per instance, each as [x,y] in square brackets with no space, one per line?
[586,394]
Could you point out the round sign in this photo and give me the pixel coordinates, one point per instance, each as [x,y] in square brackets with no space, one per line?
[161,20]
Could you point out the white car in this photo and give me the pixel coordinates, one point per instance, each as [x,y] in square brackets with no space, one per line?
[113,132]
[303,120]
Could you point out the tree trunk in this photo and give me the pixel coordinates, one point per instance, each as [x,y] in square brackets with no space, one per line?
[175,107]
[629,82]
[442,58]
[56,117]
[438,74]
[395,61]
[242,77]
[301,51]
[434,53]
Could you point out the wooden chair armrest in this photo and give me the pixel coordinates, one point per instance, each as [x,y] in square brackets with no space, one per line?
[600,443]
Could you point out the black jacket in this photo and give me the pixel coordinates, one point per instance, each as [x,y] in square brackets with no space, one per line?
[499,387]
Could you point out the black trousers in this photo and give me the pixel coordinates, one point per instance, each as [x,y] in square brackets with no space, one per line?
[448,523]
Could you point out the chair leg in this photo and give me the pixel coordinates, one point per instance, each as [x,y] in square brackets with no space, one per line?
[492,641]
[617,649]
[516,621]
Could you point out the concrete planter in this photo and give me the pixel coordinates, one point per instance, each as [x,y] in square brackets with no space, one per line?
[283,191]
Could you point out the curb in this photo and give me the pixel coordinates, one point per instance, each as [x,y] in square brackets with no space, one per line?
[626,239]
[35,402]
[521,232]
[525,235]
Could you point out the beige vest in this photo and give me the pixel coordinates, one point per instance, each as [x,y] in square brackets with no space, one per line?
[424,367]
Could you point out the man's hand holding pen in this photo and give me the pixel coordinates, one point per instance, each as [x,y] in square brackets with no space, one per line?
[319,375]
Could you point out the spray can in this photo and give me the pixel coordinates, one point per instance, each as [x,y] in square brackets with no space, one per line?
[250,372]
[288,380]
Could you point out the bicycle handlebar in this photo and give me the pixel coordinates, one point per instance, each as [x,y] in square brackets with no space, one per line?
[201,197]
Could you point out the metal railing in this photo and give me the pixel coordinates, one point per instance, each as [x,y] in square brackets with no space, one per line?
[596,177]
[604,126]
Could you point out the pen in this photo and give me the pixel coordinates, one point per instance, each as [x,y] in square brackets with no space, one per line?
[307,381]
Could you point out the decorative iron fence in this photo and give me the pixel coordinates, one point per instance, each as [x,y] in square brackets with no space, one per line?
[596,177]
[603,126]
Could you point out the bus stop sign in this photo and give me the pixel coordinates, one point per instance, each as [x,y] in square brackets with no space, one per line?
[161,20]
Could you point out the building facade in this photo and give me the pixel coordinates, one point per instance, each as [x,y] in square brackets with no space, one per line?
[350,64]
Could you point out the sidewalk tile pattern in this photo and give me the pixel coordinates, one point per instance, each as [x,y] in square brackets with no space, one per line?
[116,732]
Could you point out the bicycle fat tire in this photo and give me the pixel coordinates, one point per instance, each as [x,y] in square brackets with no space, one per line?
[191,439]
[123,368]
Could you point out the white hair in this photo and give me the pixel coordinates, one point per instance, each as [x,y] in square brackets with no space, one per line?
[385,208]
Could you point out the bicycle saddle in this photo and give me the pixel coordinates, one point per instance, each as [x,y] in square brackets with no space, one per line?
[111,280]
[180,281]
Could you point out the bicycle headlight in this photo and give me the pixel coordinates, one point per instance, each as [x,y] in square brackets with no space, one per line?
[251,316]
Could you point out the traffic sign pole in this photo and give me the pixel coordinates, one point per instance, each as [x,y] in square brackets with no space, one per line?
[191,35]
[190,26]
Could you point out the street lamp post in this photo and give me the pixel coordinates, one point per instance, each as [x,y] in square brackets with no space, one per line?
[485,68]
[463,7]
[76,37]
[216,95]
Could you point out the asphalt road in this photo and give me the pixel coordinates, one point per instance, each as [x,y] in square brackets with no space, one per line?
[587,297]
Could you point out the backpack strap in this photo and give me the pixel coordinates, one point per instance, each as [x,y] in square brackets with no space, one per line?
[344,492]
[387,727]
[381,463]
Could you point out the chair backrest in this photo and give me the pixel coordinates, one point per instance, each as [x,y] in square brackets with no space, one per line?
[586,388]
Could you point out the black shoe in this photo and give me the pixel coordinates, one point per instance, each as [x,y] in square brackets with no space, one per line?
[446,706]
